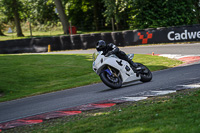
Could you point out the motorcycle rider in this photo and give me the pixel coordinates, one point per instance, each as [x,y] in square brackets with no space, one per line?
[110,48]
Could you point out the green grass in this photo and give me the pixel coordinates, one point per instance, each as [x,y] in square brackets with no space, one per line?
[26,75]
[12,36]
[174,113]
[177,114]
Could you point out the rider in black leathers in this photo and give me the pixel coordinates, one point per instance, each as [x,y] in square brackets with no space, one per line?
[110,48]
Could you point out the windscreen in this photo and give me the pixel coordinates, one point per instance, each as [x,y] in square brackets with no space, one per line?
[95,54]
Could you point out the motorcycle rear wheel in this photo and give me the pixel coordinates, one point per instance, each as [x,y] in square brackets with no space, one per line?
[112,82]
[146,75]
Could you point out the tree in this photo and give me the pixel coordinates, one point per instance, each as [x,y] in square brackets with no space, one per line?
[1,28]
[15,5]
[97,13]
[29,8]
[62,16]
[13,12]
[197,10]
[161,13]
[91,17]
[80,13]
[2,20]
[116,10]
[44,11]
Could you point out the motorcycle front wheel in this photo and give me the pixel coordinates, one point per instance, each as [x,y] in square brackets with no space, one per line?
[111,80]
[145,74]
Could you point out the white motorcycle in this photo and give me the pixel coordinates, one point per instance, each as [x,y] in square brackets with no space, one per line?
[115,72]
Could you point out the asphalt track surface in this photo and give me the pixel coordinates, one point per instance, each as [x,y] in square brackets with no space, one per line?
[185,49]
[169,79]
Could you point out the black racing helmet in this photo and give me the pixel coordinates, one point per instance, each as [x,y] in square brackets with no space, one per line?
[101,45]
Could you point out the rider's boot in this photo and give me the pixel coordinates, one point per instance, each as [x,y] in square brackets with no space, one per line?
[134,65]
[136,68]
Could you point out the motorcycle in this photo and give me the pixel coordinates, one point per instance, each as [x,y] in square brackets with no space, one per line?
[115,72]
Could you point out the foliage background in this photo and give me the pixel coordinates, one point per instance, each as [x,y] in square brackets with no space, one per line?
[97,15]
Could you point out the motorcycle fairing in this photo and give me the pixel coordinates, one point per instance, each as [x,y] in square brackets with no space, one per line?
[101,62]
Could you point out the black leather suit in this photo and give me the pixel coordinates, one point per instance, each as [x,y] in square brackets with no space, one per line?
[113,49]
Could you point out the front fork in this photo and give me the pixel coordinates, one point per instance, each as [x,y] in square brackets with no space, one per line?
[111,72]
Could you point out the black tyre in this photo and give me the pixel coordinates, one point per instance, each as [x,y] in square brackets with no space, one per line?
[110,80]
[145,74]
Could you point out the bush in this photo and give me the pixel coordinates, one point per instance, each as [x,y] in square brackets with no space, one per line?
[162,13]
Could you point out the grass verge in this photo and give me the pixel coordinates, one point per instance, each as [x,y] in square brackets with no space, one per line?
[173,113]
[26,75]
[13,36]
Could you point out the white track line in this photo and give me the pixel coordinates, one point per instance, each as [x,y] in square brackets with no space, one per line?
[176,56]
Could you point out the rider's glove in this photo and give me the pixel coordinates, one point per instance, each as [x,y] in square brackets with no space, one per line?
[109,53]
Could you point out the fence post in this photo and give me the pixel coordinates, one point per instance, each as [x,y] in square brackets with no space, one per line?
[49,48]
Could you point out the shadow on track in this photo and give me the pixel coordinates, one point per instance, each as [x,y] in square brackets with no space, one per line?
[124,86]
